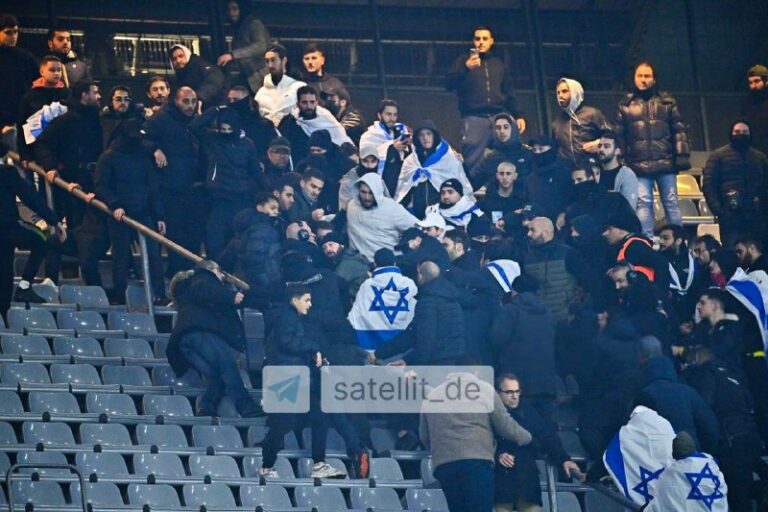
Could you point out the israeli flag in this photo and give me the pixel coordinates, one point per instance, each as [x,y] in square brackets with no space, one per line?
[383,308]
[752,291]
[504,272]
[638,453]
[692,484]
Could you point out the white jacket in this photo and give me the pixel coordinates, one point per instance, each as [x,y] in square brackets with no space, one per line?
[276,101]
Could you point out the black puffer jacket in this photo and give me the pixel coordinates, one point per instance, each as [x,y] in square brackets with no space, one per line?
[571,134]
[110,120]
[205,78]
[204,304]
[483,90]
[258,253]
[287,342]
[653,132]
[439,325]
[261,131]
[740,175]
[497,152]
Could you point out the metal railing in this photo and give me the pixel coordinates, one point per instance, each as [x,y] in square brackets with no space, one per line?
[142,231]
[43,465]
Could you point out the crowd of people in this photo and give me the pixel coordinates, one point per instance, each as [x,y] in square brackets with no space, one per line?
[381,243]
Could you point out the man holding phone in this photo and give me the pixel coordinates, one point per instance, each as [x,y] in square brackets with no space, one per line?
[484,88]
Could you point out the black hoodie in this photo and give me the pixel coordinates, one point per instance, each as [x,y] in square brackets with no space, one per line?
[261,131]
[484,90]
[205,78]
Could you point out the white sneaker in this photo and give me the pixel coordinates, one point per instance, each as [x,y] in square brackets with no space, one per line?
[49,282]
[268,473]
[325,470]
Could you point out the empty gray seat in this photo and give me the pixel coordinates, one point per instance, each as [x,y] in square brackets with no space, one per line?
[125,375]
[10,403]
[49,293]
[322,498]
[7,434]
[220,466]
[98,494]
[58,434]
[252,464]
[210,495]
[256,434]
[135,324]
[30,457]
[218,436]
[268,497]
[566,502]
[164,465]
[427,472]
[159,348]
[333,442]
[31,319]
[81,321]
[164,436]
[156,496]
[5,463]
[29,345]
[304,466]
[425,499]
[75,374]
[104,434]
[107,464]
[167,405]
[53,402]
[596,502]
[81,346]
[385,468]
[110,403]
[44,491]
[87,297]
[136,348]
[376,498]
[163,376]
[24,373]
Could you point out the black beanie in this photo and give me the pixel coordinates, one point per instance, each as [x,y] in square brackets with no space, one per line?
[454,184]
[320,139]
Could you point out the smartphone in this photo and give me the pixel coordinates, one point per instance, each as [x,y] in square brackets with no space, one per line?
[473,52]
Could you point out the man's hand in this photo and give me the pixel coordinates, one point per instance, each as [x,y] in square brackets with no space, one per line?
[161,227]
[507,460]
[473,61]
[677,350]
[90,196]
[118,214]
[7,128]
[520,122]
[318,359]
[400,145]
[572,469]
[224,59]
[500,224]
[560,223]
[602,319]
[160,159]
[318,214]
[239,297]
[591,146]
[61,232]
[51,175]
[686,328]
[371,358]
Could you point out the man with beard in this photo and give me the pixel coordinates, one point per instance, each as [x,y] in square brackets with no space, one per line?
[704,248]
[592,199]
[339,103]
[549,185]
[158,90]
[277,95]
[755,106]
[306,205]
[368,161]
[375,221]
[121,108]
[202,76]
[306,118]
[314,73]
[505,194]
[244,65]
[392,139]
[613,175]
[750,253]
[176,154]
[256,128]
[348,264]
[734,185]
[578,127]
[75,70]
[505,147]
[326,155]
[687,279]
[457,209]
[283,191]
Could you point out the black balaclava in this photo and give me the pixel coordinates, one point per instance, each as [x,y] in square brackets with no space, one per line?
[740,142]
[547,158]
[232,118]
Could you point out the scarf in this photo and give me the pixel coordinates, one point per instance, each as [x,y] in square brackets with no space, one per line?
[323,121]
[460,214]
[438,167]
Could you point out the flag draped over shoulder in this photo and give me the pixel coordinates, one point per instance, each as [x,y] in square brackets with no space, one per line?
[438,167]
[378,135]
[37,122]
[692,484]
[638,453]
[383,308]
[504,272]
[751,290]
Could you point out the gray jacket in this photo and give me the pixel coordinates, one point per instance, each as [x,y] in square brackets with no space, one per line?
[467,435]
[248,47]
[626,185]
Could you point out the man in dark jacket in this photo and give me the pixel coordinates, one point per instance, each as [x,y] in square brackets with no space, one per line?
[203,77]
[517,477]
[506,146]
[750,253]
[721,332]
[60,44]
[687,280]
[126,181]
[348,264]
[208,335]
[245,65]
[656,144]
[233,173]
[418,247]
[755,106]
[735,185]
[578,127]
[549,185]
[176,155]
[259,130]
[505,194]
[680,404]
[484,88]
[18,69]
[121,107]
[314,73]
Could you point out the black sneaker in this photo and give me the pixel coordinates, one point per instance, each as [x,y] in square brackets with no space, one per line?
[28,295]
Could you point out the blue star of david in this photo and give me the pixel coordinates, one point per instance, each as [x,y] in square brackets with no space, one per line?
[695,480]
[646,477]
[378,303]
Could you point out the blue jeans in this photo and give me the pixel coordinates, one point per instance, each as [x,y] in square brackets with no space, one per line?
[468,484]
[668,195]
[476,135]
[215,361]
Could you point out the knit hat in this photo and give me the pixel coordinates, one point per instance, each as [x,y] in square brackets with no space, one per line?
[683,445]
[624,219]
[454,184]
[320,139]
[727,260]
[758,70]
[384,258]
[333,236]
[368,150]
[280,143]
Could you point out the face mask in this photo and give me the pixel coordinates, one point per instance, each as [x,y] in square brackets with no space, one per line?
[741,141]
[333,108]
[229,137]
[545,159]
[585,189]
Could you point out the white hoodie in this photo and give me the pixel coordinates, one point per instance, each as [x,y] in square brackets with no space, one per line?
[276,101]
[379,227]
[577,97]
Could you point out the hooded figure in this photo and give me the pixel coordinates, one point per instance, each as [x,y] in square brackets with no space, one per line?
[549,185]
[755,109]
[426,169]
[202,76]
[375,221]
[577,124]
[259,130]
[510,150]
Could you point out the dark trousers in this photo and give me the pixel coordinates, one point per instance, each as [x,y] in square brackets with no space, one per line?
[215,361]
[756,371]
[281,424]
[218,231]
[184,222]
[476,135]
[738,458]
[736,224]
[468,484]
[23,236]
[122,237]
[92,239]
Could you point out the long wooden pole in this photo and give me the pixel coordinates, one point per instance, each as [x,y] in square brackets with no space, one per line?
[138,226]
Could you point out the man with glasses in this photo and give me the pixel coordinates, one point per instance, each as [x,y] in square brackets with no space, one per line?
[121,107]
[517,477]
[18,68]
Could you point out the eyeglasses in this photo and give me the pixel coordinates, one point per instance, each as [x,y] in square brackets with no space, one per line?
[510,392]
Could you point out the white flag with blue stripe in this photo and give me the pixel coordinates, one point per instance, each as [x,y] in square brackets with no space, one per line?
[638,453]
[383,308]
[504,272]
[751,290]
[692,484]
